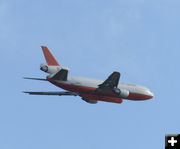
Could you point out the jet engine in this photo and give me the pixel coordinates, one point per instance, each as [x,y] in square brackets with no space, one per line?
[121,92]
[44,67]
[51,69]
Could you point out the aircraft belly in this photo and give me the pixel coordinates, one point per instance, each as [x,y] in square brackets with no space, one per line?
[101,98]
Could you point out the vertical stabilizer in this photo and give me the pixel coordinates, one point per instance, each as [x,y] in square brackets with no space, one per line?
[51,61]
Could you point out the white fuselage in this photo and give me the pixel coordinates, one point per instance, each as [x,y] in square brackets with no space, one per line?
[88,82]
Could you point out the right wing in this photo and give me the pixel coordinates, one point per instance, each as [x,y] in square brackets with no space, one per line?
[52,93]
[110,83]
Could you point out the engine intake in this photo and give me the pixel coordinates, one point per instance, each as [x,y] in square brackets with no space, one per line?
[44,67]
[51,69]
[123,93]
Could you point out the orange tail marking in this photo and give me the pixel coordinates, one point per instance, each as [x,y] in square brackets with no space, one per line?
[51,61]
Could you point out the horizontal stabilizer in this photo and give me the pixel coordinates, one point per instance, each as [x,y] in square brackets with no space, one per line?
[52,93]
[41,79]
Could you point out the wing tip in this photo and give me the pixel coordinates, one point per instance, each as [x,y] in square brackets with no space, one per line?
[117,72]
[25,92]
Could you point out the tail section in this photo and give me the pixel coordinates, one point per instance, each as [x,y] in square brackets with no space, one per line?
[52,66]
[51,61]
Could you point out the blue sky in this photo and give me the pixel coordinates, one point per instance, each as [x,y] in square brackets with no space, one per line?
[139,38]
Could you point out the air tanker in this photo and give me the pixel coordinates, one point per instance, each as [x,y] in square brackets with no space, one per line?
[90,90]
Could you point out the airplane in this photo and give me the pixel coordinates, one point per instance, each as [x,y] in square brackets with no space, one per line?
[90,90]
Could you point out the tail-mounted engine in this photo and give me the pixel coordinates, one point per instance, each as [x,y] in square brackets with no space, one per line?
[51,69]
[44,67]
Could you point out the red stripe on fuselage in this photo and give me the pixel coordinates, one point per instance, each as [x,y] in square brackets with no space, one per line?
[102,98]
[136,96]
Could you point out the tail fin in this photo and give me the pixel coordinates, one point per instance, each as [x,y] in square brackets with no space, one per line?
[51,61]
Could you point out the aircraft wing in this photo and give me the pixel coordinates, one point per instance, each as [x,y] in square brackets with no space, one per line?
[110,83]
[41,79]
[52,93]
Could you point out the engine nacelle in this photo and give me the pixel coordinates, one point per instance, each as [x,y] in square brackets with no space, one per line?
[51,69]
[123,93]
[44,67]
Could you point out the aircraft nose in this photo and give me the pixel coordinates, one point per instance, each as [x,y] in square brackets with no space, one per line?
[150,94]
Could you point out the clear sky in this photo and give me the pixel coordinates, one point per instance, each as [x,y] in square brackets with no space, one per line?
[139,38]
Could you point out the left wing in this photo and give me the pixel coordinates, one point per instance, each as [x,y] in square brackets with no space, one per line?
[52,93]
[41,79]
[110,83]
